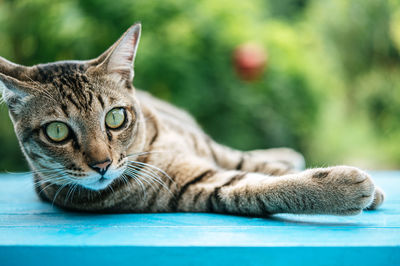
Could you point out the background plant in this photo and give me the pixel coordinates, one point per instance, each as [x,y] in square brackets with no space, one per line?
[331,87]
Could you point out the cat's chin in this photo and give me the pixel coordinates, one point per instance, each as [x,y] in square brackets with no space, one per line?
[97,182]
[100,184]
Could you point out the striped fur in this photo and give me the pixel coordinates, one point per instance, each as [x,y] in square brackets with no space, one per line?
[161,159]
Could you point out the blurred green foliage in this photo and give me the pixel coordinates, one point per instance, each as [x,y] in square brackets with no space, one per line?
[331,88]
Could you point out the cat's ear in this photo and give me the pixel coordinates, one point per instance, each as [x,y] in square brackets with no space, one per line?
[118,60]
[13,90]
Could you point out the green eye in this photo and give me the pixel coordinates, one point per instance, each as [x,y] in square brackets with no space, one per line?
[115,118]
[57,131]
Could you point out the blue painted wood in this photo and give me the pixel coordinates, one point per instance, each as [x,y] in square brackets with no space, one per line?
[36,233]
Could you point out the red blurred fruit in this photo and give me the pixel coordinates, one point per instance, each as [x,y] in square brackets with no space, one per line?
[250,60]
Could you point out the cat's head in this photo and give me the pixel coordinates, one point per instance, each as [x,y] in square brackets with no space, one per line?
[76,120]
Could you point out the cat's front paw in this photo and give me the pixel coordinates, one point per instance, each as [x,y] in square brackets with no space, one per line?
[379,197]
[347,190]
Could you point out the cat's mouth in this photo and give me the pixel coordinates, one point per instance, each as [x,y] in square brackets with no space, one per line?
[100,182]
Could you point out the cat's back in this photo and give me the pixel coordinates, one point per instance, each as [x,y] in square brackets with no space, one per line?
[166,112]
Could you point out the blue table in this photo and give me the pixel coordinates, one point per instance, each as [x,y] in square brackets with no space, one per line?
[36,233]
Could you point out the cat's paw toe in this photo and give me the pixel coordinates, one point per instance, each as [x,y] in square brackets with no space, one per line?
[379,198]
[358,189]
[350,189]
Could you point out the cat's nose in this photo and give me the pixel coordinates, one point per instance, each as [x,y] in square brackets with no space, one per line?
[101,167]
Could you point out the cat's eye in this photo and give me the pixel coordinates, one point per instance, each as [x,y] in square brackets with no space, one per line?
[115,118]
[57,131]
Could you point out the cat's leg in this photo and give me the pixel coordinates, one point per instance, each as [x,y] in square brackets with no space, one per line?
[276,161]
[337,190]
[285,157]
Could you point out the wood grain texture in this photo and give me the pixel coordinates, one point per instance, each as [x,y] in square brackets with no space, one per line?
[31,230]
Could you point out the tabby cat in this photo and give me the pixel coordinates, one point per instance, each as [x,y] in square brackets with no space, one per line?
[95,143]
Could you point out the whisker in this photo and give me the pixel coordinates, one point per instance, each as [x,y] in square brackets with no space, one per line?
[41,182]
[154,167]
[135,173]
[61,178]
[76,186]
[150,175]
[110,187]
[144,153]
[39,86]
[143,188]
[34,171]
[52,179]
[58,191]
[124,178]
[141,185]
[68,193]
